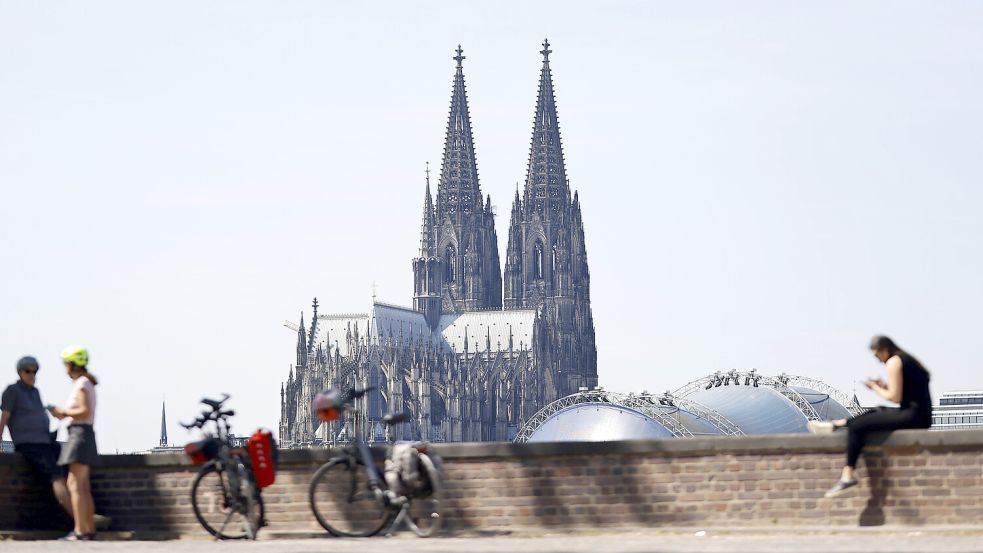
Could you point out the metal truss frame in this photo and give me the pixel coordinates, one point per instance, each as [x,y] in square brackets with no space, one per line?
[725,425]
[649,405]
[779,384]
[850,403]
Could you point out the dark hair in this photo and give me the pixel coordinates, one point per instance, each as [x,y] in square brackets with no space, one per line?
[27,361]
[85,371]
[884,343]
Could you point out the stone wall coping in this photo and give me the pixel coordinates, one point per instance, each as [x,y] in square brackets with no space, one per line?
[670,447]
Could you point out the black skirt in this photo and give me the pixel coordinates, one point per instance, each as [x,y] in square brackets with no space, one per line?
[80,447]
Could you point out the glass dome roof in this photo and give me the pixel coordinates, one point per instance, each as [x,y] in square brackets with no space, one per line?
[826,407]
[755,409]
[598,422]
[734,403]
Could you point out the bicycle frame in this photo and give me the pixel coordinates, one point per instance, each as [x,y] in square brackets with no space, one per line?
[226,464]
[356,453]
[362,454]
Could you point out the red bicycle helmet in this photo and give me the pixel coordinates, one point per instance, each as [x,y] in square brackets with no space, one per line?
[328,405]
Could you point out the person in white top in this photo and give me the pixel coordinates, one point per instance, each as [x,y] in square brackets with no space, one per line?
[80,452]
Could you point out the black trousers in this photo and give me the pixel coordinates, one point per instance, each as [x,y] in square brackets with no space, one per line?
[881,418]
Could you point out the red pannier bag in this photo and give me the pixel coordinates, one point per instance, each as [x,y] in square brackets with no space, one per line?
[203,451]
[263,453]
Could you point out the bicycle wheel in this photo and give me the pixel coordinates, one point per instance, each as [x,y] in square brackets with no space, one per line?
[217,510]
[250,500]
[343,503]
[423,513]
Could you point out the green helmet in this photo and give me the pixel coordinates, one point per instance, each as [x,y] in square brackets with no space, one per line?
[76,355]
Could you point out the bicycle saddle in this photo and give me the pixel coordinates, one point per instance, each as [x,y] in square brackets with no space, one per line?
[394,418]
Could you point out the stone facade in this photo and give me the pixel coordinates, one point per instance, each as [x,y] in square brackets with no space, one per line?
[466,365]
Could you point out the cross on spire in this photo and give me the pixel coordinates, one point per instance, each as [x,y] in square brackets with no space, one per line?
[546,50]
[459,58]
[428,173]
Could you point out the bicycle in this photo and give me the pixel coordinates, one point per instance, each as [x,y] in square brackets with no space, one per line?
[350,498]
[224,489]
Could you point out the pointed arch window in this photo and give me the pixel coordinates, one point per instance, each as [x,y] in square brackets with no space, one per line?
[553,263]
[537,261]
[450,264]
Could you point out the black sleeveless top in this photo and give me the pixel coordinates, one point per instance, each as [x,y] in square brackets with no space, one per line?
[914,386]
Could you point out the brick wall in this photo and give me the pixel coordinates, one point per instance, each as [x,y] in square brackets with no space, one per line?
[908,478]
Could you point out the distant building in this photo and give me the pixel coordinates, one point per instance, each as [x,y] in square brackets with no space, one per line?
[958,411]
[481,350]
[163,446]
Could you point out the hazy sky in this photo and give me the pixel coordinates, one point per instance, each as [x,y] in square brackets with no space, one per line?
[763,184]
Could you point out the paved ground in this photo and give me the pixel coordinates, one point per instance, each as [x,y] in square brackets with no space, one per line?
[625,542]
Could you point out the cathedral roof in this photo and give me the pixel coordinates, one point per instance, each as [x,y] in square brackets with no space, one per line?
[471,330]
[477,328]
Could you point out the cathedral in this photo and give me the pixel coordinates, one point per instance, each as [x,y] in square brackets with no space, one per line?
[480,351]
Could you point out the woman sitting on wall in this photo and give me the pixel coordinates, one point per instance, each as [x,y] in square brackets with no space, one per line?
[907,385]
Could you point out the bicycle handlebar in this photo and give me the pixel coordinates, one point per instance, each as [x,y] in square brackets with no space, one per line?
[354,393]
[214,415]
[215,404]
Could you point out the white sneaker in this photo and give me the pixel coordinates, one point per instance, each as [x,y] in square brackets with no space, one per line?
[821,427]
[840,488]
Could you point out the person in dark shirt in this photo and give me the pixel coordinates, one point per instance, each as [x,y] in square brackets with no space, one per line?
[22,412]
[907,385]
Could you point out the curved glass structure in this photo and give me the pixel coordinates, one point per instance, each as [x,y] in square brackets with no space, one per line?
[696,424]
[734,403]
[755,409]
[826,407]
[598,422]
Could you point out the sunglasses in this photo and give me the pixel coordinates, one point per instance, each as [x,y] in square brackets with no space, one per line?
[30,371]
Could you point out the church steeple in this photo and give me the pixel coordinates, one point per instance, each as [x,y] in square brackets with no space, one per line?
[546,262]
[163,424]
[513,280]
[301,343]
[465,225]
[428,268]
[546,191]
[458,193]
[427,237]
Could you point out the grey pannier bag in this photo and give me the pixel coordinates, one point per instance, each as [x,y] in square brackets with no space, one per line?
[408,472]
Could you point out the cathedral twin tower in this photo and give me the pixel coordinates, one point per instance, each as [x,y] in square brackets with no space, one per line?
[458,268]
[472,359]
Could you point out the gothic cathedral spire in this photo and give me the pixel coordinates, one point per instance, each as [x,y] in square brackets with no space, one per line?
[427,236]
[540,262]
[428,269]
[546,263]
[546,191]
[465,234]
